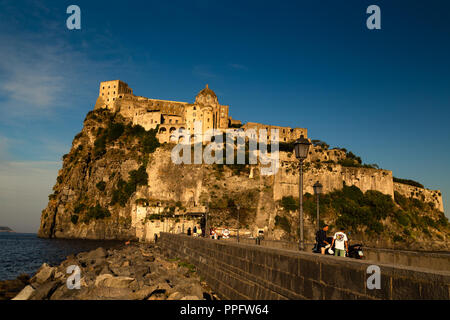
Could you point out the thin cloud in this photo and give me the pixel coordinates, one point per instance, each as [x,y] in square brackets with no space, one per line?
[237,66]
[203,72]
[33,76]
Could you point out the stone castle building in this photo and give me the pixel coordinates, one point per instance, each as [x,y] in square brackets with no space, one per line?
[171,116]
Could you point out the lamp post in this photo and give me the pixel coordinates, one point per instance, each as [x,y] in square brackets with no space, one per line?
[184,218]
[317,191]
[301,147]
[238,207]
[206,222]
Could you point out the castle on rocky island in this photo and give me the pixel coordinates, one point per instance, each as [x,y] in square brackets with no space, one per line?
[172,116]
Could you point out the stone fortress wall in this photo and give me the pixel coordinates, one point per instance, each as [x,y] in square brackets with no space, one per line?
[286,180]
[333,176]
[246,272]
[426,195]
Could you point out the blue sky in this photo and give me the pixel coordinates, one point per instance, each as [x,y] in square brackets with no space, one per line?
[383,94]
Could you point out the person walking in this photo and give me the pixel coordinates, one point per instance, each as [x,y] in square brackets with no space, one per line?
[321,238]
[341,243]
[189,231]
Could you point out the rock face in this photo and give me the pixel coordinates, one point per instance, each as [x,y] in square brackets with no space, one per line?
[135,272]
[425,195]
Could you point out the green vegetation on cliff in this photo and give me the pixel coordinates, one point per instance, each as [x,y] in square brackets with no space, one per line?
[223,206]
[86,213]
[408,182]
[371,212]
[115,129]
[125,189]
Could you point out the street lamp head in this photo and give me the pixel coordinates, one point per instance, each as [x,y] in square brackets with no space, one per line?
[317,187]
[301,147]
[238,207]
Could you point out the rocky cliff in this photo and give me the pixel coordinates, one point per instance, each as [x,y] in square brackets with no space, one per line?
[118,182]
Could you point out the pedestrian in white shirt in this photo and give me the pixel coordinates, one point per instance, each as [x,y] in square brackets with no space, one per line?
[341,243]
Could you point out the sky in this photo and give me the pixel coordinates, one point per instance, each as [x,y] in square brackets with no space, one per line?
[383,94]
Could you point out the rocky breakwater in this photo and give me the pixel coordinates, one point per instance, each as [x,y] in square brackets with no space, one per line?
[135,272]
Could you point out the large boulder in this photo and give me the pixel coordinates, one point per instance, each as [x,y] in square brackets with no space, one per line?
[190,298]
[191,288]
[25,294]
[175,296]
[109,281]
[93,258]
[144,293]
[44,274]
[44,291]
[64,293]
[141,271]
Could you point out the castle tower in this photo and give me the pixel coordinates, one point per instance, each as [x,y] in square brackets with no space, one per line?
[111,90]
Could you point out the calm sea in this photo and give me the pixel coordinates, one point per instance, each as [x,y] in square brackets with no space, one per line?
[25,253]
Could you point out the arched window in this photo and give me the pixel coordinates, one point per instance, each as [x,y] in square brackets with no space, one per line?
[162,130]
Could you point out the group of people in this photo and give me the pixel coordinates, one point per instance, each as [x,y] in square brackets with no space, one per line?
[213,233]
[196,232]
[339,240]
